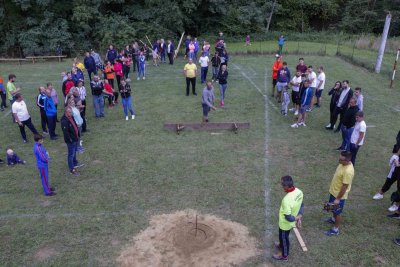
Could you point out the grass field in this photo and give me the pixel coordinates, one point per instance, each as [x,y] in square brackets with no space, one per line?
[135,169]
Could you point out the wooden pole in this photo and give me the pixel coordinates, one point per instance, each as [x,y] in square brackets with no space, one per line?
[151,45]
[300,239]
[179,45]
[383,44]
[394,68]
[149,48]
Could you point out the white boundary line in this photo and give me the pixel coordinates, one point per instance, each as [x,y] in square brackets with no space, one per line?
[250,80]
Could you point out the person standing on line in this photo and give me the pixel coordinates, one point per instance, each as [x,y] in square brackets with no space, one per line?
[42,163]
[190,72]
[22,117]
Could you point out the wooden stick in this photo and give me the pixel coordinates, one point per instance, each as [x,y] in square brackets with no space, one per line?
[149,48]
[179,45]
[152,46]
[300,239]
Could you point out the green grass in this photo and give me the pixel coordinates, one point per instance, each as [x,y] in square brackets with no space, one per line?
[136,169]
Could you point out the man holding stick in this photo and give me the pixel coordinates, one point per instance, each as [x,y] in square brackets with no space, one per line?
[290,215]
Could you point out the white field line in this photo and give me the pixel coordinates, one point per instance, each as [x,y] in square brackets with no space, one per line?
[250,80]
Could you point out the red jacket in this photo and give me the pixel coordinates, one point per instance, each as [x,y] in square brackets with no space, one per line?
[275,67]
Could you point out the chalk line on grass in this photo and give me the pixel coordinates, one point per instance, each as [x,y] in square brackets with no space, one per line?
[250,80]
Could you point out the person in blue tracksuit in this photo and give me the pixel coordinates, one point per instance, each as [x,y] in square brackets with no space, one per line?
[142,66]
[42,163]
[51,114]
[305,104]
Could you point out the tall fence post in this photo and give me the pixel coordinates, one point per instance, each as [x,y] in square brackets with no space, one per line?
[352,53]
[338,45]
[394,68]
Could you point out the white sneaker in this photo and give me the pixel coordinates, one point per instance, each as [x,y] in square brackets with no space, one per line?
[294,125]
[296,112]
[302,124]
[144,78]
[393,208]
[377,196]
[126,118]
[328,126]
[133,117]
[292,110]
[138,79]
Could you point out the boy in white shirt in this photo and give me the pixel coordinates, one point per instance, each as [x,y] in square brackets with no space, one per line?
[358,136]
[203,60]
[320,85]
[312,79]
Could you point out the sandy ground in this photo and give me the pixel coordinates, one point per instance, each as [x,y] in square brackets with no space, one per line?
[174,240]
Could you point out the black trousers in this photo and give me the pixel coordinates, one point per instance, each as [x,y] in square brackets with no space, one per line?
[284,242]
[389,181]
[83,114]
[3,100]
[28,123]
[336,112]
[171,58]
[51,120]
[43,120]
[193,82]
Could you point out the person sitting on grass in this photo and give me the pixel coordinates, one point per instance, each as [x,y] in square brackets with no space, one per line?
[305,104]
[13,159]
[42,163]
[207,100]
[290,215]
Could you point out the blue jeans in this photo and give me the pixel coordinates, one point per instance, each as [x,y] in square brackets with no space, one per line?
[141,70]
[222,89]
[354,150]
[346,135]
[98,104]
[72,147]
[127,104]
[204,71]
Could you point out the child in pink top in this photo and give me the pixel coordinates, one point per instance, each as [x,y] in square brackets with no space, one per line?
[118,71]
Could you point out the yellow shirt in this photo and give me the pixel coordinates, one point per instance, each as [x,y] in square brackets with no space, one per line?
[290,205]
[344,175]
[80,66]
[190,70]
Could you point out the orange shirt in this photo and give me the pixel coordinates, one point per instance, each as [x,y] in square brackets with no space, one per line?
[109,70]
[275,67]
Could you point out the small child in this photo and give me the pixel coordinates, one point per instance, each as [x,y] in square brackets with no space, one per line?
[12,158]
[42,163]
[360,98]
[142,66]
[393,176]
[285,101]
[247,40]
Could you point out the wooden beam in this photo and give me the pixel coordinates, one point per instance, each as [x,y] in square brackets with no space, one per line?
[179,45]
[300,239]
[234,126]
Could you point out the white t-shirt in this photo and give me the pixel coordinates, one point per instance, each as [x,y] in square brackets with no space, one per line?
[321,79]
[20,109]
[392,164]
[312,78]
[296,80]
[360,127]
[204,61]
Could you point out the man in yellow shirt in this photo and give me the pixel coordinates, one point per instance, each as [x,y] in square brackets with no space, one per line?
[290,214]
[339,190]
[190,72]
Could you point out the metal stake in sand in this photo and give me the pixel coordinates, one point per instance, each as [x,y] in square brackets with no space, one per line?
[195,233]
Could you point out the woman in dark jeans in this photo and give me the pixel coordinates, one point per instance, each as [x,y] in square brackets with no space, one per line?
[223,83]
[335,94]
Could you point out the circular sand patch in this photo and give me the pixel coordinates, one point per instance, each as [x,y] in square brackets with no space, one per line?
[187,238]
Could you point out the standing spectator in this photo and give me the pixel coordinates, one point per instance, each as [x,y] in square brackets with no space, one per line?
[301,66]
[335,94]
[207,100]
[343,102]
[312,78]
[42,163]
[135,56]
[97,60]
[77,75]
[190,72]
[11,89]
[358,136]
[67,84]
[78,65]
[126,99]
[247,40]
[155,52]
[162,49]
[305,104]
[290,215]
[275,67]
[71,137]
[320,85]
[204,67]
[281,42]
[22,117]
[215,62]
[283,78]
[224,57]
[97,87]
[126,66]
[348,122]
[90,65]
[40,103]
[82,97]
[295,82]
[196,48]
[191,50]
[339,190]
[223,84]
[74,103]
[170,52]
[206,48]
[54,95]
[111,54]
[51,114]
[118,70]
[142,66]
[187,42]
[360,98]
[3,95]
[285,100]
[110,74]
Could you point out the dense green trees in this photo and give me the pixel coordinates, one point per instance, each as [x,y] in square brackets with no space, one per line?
[39,26]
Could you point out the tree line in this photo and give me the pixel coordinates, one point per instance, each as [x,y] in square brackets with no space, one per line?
[32,27]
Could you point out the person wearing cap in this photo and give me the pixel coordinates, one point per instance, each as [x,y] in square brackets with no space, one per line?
[275,67]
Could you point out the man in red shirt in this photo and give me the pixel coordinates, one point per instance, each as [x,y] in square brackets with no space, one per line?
[275,67]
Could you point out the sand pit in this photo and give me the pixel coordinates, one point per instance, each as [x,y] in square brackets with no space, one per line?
[174,240]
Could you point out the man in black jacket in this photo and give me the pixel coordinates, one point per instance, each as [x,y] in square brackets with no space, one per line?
[348,122]
[71,138]
[90,65]
[341,105]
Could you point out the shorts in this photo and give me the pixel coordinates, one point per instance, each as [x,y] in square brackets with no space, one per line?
[154,53]
[341,205]
[318,93]
[274,81]
[280,86]
[303,109]
[206,109]
[296,97]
